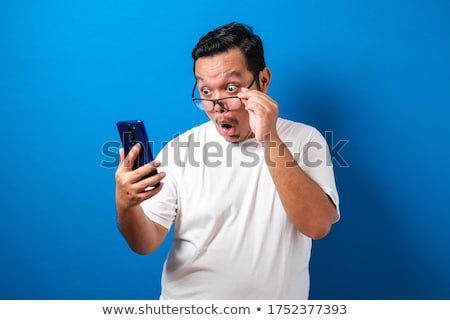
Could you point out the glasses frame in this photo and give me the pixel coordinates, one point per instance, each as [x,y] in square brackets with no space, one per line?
[219,101]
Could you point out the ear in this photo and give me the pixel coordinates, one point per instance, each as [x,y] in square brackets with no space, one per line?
[264,79]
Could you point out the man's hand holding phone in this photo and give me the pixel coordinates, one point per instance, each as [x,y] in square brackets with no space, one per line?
[131,186]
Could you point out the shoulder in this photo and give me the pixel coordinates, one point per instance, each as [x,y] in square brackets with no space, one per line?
[186,141]
[288,130]
[195,132]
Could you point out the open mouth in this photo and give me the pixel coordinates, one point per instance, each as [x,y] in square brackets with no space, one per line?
[227,128]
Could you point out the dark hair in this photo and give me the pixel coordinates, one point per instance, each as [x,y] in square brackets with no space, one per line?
[232,35]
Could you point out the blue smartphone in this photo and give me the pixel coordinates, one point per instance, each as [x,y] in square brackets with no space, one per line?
[132,132]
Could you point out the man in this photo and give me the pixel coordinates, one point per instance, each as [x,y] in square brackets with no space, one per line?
[246,192]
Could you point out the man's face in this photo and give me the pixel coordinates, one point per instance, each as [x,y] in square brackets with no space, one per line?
[223,75]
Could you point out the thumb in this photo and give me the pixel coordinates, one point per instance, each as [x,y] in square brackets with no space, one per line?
[122,155]
[243,94]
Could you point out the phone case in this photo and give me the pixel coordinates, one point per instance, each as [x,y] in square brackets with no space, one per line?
[132,132]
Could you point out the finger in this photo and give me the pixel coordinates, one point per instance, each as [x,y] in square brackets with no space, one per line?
[256,99]
[148,183]
[245,93]
[132,156]
[149,192]
[146,169]
[121,166]
[122,155]
[256,108]
[136,196]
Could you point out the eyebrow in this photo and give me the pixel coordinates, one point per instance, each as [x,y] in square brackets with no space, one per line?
[227,75]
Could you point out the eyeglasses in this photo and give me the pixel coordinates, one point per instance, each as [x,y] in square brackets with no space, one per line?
[227,103]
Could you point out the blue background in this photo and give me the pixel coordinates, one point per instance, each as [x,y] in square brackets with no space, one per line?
[374,73]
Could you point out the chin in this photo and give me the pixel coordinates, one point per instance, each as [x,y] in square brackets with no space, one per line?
[238,138]
[232,139]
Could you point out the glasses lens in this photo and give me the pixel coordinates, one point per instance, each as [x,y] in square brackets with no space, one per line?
[201,104]
[231,103]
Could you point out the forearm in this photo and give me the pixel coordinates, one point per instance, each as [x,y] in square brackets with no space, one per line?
[142,234]
[306,204]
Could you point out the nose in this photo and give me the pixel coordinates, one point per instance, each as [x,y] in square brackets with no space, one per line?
[219,107]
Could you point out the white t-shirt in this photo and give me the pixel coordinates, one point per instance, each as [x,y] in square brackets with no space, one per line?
[232,238]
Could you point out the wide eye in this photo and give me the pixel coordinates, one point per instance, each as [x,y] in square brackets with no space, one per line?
[232,88]
[206,91]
